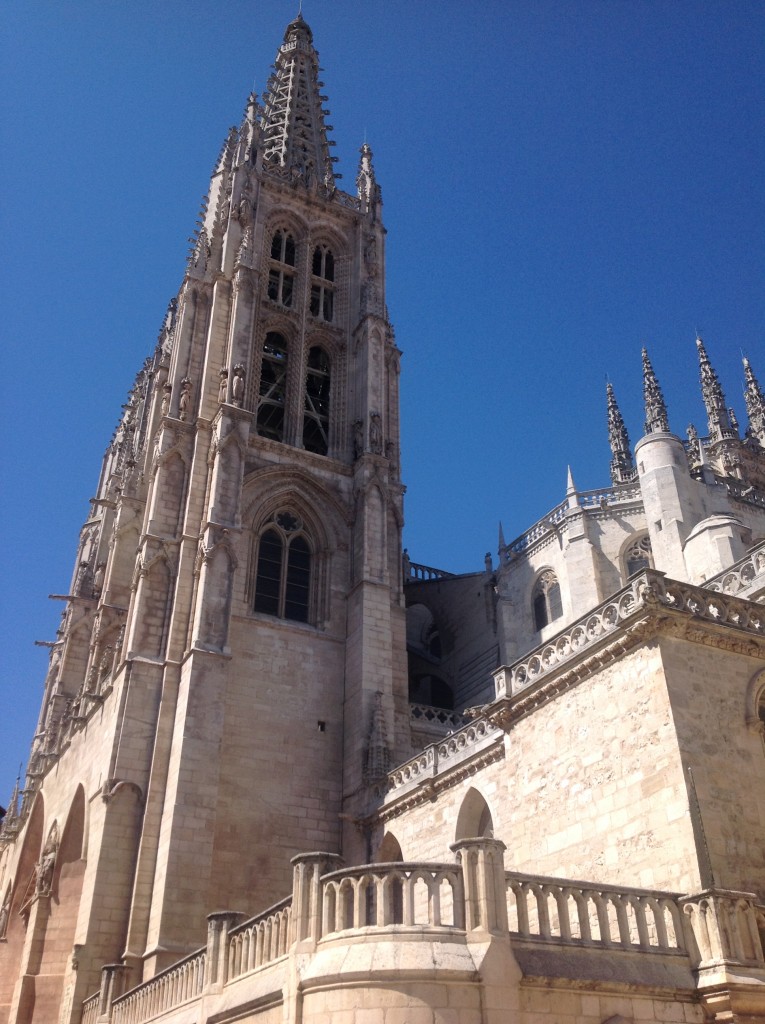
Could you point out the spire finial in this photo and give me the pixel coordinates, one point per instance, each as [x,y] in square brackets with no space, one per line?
[622,466]
[714,399]
[656,419]
[294,131]
[755,403]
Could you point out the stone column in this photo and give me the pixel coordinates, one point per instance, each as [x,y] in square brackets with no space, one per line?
[219,925]
[483,871]
[307,869]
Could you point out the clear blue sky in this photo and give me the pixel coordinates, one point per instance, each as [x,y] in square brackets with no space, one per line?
[563,182]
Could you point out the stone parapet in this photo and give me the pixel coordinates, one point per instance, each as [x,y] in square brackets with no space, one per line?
[648,604]
[746,578]
[403,936]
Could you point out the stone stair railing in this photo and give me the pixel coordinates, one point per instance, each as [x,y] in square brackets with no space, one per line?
[178,984]
[260,940]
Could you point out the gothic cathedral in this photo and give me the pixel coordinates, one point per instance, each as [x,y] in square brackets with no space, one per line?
[248,668]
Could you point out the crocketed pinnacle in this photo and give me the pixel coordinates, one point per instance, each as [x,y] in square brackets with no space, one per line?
[714,399]
[622,466]
[293,128]
[656,419]
[366,184]
[755,403]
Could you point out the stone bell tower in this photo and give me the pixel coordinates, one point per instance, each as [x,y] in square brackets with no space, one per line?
[230,668]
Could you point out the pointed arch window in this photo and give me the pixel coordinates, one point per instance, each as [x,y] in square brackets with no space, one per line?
[282,578]
[546,600]
[322,284]
[281,274]
[273,387]
[317,391]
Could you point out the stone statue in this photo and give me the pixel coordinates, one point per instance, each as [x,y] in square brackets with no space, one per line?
[98,579]
[5,911]
[223,385]
[238,385]
[358,439]
[375,433]
[167,392]
[184,402]
[47,864]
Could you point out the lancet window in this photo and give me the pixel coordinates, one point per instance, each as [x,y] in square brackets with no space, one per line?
[322,284]
[546,600]
[638,556]
[273,387]
[317,394]
[283,569]
[281,274]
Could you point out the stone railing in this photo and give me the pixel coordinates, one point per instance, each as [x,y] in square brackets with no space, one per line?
[445,754]
[713,927]
[172,987]
[648,591]
[554,909]
[260,940]
[416,571]
[461,901]
[91,1009]
[425,715]
[725,926]
[590,500]
[745,492]
[741,575]
[378,895]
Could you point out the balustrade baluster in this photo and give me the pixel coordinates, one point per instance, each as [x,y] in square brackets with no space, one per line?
[604,925]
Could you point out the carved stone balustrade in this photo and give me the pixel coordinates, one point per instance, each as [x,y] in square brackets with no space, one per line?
[745,577]
[420,895]
[558,910]
[647,602]
[725,927]
[590,501]
[180,983]
[260,940]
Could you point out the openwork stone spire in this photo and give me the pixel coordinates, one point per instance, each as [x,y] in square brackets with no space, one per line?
[656,419]
[714,399]
[294,132]
[622,466]
[755,404]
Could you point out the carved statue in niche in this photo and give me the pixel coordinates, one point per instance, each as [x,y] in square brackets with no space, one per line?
[223,384]
[237,388]
[370,253]
[98,579]
[84,585]
[47,864]
[167,392]
[5,911]
[184,402]
[375,434]
[358,439]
